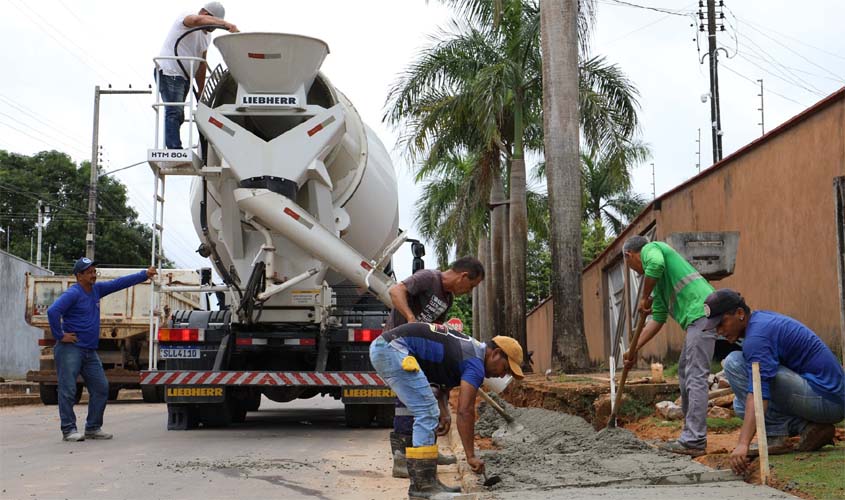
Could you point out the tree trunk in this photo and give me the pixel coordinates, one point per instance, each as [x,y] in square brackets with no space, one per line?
[475,314]
[486,292]
[558,28]
[496,274]
[506,251]
[518,236]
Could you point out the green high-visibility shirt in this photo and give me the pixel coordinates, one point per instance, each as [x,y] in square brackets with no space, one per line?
[680,291]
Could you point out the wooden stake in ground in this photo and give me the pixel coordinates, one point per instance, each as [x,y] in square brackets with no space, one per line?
[632,352]
[760,415]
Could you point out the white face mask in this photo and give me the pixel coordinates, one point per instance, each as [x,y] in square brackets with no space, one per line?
[497,384]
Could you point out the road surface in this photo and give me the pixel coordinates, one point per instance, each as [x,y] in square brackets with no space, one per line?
[292,450]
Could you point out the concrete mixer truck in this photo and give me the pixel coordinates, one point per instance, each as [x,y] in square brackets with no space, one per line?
[295,202]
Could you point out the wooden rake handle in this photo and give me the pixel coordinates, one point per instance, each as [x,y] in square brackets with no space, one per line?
[632,351]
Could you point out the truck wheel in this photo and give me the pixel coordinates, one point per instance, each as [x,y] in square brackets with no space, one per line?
[49,394]
[181,417]
[216,415]
[114,392]
[357,415]
[237,410]
[254,401]
[152,393]
[383,415]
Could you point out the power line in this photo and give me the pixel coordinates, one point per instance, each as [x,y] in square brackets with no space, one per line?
[646,7]
[23,109]
[753,81]
[30,127]
[796,52]
[39,139]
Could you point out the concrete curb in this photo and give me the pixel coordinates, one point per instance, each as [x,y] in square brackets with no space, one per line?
[469,480]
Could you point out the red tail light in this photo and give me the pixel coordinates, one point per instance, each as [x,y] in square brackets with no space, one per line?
[300,341]
[364,334]
[181,335]
[46,342]
[250,341]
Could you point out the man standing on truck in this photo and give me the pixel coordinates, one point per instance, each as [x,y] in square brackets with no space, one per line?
[410,358]
[679,291]
[427,296]
[75,323]
[172,78]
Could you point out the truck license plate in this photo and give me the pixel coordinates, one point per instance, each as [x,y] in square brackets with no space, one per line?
[179,353]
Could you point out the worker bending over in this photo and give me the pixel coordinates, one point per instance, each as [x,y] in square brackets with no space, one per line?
[413,356]
[427,296]
[802,382]
[679,291]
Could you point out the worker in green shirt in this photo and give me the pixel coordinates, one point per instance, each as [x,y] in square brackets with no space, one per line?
[672,287]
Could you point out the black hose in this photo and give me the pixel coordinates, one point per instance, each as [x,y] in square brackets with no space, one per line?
[218,262]
[176,48]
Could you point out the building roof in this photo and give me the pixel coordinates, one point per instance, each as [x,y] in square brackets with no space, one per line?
[726,161]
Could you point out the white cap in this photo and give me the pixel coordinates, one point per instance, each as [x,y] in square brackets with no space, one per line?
[216,9]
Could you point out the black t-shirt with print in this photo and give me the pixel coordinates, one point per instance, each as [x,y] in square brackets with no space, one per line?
[426,297]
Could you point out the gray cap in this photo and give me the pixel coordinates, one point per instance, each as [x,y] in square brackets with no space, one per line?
[216,9]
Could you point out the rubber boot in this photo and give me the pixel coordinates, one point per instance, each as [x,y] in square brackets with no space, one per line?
[398,443]
[422,469]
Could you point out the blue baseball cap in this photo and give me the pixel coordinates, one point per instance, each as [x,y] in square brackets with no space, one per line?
[83,264]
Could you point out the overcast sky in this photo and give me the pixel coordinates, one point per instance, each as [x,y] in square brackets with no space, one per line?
[56,51]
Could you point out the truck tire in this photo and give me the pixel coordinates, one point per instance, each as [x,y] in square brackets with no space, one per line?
[383,415]
[152,393]
[357,415]
[114,391]
[254,401]
[49,394]
[181,417]
[216,415]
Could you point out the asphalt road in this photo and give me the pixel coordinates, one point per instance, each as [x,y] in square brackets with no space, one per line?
[293,450]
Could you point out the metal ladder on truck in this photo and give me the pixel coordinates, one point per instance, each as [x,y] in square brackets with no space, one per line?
[163,163]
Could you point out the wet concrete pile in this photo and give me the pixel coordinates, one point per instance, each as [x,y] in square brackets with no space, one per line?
[558,449]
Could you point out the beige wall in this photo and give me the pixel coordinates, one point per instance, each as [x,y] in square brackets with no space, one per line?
[539,323]
[779,195]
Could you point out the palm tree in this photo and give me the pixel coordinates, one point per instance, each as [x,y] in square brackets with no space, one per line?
[607,195]
[480,89]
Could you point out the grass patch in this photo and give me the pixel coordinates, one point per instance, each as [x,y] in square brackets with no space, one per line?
[667,424]
[576,379]
[819,474]
[636,408]
[724,424]
[670,370]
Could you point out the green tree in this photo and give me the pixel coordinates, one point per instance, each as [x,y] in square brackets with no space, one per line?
[52,177]
[606,185]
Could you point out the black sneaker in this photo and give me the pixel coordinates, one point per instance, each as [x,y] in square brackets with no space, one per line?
[680,448]
[816,436]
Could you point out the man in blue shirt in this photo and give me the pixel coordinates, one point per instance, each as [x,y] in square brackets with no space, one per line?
[802,382]
[75,323]
[411,357]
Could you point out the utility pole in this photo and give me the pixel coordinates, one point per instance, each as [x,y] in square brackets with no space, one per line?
[715,114]
[698,163]
[8,236]
[95,151]
[653,183]
[40,208]
[49,256]
[760,109]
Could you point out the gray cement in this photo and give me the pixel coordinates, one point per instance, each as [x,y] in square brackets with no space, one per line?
[19,351]
[566,451]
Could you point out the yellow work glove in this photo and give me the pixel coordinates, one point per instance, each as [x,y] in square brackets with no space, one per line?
[409,364]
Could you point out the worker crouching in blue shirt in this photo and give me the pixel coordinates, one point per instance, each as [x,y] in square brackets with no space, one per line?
[75,324]
[802,382]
